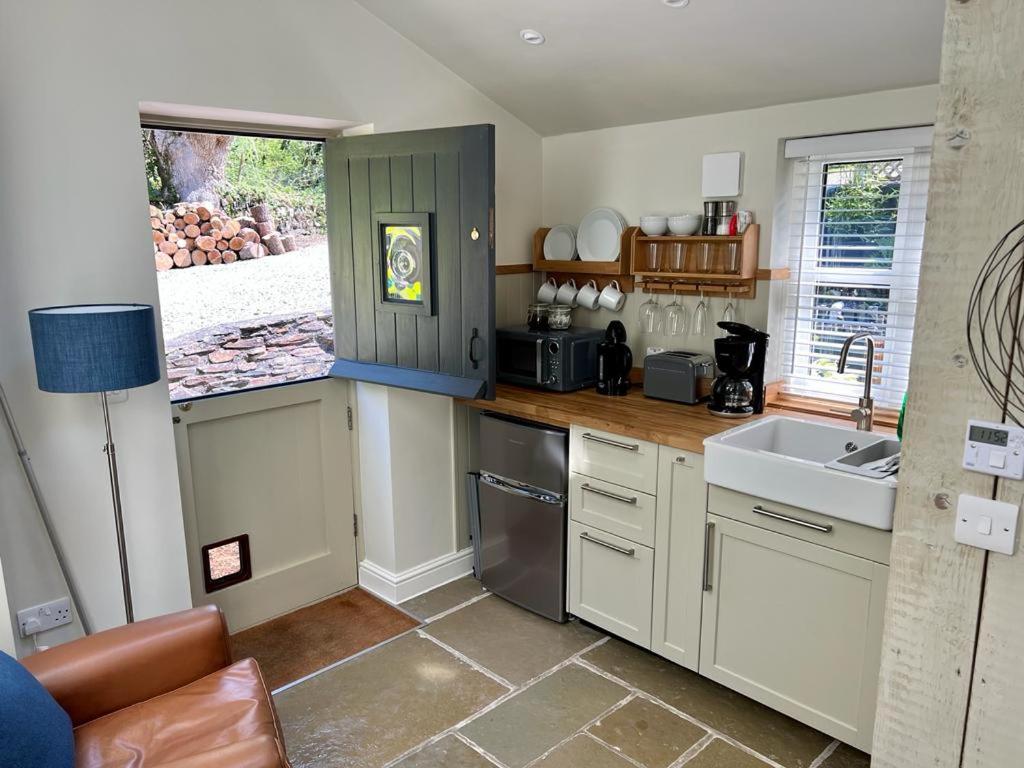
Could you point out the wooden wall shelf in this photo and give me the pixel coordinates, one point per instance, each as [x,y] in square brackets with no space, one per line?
[731,269]
[603,272]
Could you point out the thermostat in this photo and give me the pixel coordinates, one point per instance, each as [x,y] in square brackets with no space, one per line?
[993,448]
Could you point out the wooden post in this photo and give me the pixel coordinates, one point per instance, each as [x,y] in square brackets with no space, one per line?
[992,39]
[935,586]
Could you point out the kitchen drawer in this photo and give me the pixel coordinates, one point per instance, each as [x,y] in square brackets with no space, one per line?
[615,459]
[842,535]
[612,508]
[611,582]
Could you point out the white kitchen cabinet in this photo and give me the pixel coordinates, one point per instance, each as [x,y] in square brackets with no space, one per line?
[679,556]
[794,625]
[610,582]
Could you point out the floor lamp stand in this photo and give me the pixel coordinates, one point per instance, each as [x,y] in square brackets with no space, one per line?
[44,512]
[115,493]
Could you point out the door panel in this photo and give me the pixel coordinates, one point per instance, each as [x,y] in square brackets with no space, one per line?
[795,626]
[276,465]
[446,173]
[679,556]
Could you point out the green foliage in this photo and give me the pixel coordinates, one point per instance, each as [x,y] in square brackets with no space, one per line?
[286,174]
[859,211]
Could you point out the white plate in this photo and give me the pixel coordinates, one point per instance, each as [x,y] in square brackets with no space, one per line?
[600,235]
[560,243]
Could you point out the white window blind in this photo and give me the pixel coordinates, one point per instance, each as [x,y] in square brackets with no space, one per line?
[855,228]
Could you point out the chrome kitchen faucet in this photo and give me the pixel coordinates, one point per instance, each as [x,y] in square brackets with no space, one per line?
[864,413]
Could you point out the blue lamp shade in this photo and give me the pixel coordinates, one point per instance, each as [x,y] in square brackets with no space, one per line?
[94,347]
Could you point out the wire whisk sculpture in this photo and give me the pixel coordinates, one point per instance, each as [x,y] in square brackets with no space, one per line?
[994,324]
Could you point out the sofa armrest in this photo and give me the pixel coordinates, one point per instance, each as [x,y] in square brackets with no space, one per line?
[96,675]
[255,752]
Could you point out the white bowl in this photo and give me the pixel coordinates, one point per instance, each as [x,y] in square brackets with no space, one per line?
[654,225]
[684,224]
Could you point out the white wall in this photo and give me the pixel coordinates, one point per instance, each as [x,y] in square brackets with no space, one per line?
[74,223]
[656,168]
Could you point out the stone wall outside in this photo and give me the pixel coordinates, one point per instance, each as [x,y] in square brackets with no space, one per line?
[255,353]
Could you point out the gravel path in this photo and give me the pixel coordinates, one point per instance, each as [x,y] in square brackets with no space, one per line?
[196,298]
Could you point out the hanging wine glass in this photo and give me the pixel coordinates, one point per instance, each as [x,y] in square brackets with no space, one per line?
[675,316]
[651,315]
[700,316]
[729,313]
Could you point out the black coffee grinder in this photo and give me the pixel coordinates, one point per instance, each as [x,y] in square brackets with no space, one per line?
[614,361]
[740,356]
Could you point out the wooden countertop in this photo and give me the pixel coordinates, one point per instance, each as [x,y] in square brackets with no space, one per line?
[666,423]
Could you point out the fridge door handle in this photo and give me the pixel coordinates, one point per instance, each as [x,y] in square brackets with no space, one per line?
[505,485]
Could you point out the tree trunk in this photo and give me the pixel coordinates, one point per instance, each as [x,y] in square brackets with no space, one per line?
[194,161]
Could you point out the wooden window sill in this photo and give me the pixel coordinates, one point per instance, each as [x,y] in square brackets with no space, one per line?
[885,419]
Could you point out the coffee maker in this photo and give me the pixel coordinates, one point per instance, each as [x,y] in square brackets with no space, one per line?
[614,361]
[740,356]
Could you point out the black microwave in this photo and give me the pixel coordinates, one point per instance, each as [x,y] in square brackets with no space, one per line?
[562,361]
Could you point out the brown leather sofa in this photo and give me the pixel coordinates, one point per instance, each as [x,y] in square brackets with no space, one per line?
[163,692]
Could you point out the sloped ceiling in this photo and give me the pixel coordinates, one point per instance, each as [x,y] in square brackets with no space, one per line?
[617,62]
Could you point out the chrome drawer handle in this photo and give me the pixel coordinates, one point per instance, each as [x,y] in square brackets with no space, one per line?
[613,443]
[518,489]
[630,551]
[826,528]
[609,494]
[709,535]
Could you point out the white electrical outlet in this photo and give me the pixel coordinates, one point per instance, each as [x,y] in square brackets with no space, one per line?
[40,618]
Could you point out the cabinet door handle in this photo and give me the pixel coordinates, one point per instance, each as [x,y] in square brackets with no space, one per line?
[609,494]
[824,528]
[614,443]
[473,339]
[630,551]
[709,534]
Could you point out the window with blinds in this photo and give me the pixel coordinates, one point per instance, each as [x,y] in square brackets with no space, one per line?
[856,228]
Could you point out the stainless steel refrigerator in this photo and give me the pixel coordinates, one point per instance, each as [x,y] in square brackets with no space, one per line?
[522,497]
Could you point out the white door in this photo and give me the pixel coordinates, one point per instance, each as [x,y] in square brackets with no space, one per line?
[270,470]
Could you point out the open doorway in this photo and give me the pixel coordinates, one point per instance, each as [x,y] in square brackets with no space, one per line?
[239,226]
[240,252]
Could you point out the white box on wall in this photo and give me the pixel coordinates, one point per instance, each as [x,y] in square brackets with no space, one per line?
[722,174]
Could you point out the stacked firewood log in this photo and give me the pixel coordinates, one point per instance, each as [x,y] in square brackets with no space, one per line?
[194,234]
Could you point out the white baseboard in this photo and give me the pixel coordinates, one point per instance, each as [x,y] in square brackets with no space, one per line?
[396,588]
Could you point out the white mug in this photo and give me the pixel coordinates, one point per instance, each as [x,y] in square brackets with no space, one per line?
[612,297]
[548,291]
[567,293]
[589,296]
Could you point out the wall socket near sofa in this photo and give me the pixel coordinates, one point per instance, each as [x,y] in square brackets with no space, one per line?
[40,618]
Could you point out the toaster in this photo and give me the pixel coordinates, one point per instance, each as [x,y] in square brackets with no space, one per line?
[684,377]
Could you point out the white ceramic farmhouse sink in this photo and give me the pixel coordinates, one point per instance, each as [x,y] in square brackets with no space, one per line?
[783,459]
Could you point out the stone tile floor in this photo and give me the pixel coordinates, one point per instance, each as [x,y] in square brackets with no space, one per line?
[483,683]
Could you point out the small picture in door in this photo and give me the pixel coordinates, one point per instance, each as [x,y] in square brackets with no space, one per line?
[403,254]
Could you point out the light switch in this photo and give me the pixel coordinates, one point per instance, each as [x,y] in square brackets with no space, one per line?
[986,524]
[997,460]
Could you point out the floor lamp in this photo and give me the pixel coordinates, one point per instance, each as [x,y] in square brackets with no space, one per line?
[98,348]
